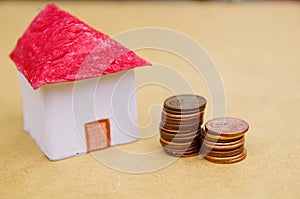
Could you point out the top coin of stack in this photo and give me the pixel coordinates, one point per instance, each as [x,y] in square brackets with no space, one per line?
[180,126]
[223,140]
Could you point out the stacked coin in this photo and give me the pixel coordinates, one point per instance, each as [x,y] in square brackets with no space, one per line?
[223,140]
[180,126]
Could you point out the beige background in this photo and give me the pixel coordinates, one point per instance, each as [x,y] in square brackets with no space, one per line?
[256,47]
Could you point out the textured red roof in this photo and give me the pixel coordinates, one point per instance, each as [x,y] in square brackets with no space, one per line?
[58,47]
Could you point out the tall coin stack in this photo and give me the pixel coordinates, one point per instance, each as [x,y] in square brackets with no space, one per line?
[223,140]
[180,126]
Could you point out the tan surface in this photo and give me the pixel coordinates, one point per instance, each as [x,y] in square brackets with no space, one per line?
[256,47]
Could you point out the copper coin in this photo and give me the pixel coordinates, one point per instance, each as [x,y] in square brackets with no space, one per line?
[177,149]
[170,120]
[179,139]
[165,142]
[181,112]
[173,121]
[224,146]
[186,102]
[216,153]
[218,140]
[205,150]
[179,135]
[229,147]
[227,160]
[189,127]
[182,149]
[190,116]
[176,131]
[188,146]
[226,126]
[228,142]
[219,137]
[182,154]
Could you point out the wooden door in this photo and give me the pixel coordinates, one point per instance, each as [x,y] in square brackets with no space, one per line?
[97,135]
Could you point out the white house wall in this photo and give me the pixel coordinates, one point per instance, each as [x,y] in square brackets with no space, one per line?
[59,123]
[33,113]
[68,106]
[121,107]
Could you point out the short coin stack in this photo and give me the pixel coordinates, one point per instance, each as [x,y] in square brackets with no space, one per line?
[180,126]
[223,140]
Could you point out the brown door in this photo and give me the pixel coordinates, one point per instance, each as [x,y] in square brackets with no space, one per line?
[97,135]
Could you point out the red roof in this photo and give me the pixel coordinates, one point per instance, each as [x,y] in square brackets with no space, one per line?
[58,47]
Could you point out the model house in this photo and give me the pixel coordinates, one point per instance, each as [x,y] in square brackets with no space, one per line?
[77,84]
